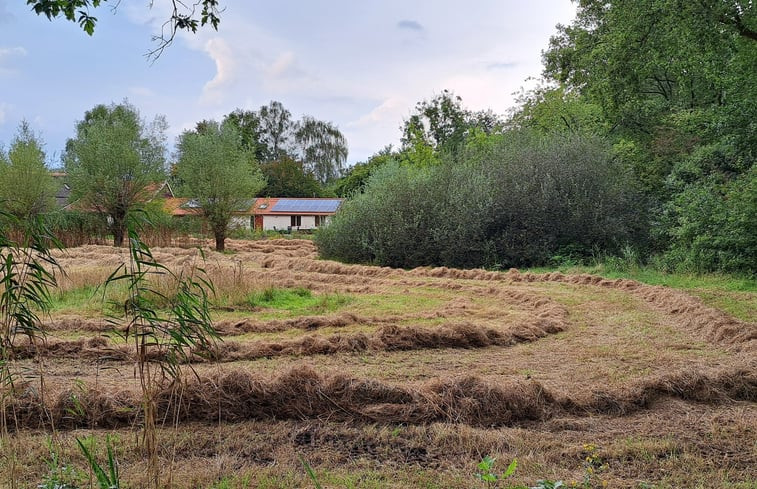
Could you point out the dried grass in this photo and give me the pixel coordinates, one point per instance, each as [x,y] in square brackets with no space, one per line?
[302,393]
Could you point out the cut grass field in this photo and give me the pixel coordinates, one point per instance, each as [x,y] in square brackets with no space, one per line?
[393,378]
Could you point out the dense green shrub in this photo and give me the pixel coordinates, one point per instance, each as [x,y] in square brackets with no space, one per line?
[711,222]
[508,200]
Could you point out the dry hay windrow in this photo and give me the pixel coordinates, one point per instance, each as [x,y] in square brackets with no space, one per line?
[301,394]
[690,313]
[390,338]
[230,327]
[386,338]
[77,323]
[543,309]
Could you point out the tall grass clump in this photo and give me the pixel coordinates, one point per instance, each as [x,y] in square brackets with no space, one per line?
[163,338]
[26,277]
[517,199]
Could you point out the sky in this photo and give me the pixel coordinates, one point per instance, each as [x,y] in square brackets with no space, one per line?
[362,65]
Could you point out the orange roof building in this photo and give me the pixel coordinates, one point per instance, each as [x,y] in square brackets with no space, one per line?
[268,213]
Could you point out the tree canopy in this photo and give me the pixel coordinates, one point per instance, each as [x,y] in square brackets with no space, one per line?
[443,124]
[287,178]
[671,84]
[217,171]
[273,135]
[113,159]
[26,186]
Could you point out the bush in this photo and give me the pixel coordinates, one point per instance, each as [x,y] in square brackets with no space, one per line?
[514,201]
[711,224]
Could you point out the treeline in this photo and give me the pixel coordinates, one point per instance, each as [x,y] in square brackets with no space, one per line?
[641,136]
[117,163]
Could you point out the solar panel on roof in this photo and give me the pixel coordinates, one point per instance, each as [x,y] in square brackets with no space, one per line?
[305,205]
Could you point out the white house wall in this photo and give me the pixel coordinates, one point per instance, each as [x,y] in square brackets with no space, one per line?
[284,222]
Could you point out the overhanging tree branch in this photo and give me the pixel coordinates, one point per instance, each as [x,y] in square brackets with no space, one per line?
[188,17]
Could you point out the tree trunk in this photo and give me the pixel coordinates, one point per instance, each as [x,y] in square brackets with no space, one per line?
[220,240]
[118,226]
[118,234]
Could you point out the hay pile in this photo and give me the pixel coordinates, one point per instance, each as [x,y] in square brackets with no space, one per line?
[301,393]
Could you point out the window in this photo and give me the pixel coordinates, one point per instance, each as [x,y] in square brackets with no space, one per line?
[320,221]
[296,221]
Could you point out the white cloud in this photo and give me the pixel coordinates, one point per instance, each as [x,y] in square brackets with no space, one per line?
[284,66]
[14,51]
[222,55]
[390,110]
[10,52]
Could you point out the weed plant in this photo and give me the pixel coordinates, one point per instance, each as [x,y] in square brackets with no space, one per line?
[26,278]
[162,340]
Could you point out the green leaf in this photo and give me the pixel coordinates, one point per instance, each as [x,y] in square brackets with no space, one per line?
[510,469]
[310,472]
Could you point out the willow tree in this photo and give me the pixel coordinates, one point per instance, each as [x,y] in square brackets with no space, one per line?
[112,162]
[219,173]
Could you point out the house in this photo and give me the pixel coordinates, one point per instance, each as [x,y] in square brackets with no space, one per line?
[278,214]
[158,190]
[63,190]
[184,206]
[267,213]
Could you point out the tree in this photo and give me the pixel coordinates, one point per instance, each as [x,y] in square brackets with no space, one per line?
[184,17]
[555,109]
[26,187]
[645,61]
[272,135]
[217,171]
[276,128]
[248,124]
[112,161]
[675,84]
[322,147]
[287,178]
[355,178]
[443,125]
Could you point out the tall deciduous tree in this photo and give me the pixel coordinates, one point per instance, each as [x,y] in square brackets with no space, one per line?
[287,178]
[217,171]
[26,186]
[249,125]
[273,136]
[646,62]
[675,83]
[113,160]
[323,148]
[276,128]
[443,125]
